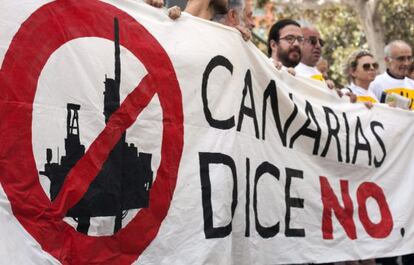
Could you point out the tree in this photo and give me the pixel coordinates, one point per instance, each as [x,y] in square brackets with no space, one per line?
[384,21]
[370,18]
[347,25]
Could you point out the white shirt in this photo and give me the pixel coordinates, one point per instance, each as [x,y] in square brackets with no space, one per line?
[386,83]
[308,71]
[363,95]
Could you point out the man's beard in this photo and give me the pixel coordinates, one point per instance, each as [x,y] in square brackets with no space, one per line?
[220,6]
[284,57]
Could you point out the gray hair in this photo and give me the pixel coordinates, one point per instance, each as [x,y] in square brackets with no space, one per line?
[305,24]
[237,5]
[389,46]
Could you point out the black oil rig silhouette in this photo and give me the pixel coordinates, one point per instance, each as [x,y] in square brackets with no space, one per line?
[125,178]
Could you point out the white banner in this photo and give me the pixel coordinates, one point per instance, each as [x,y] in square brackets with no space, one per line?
[131,138]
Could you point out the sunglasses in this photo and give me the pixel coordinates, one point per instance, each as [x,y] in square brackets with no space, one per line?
[403,58]
[369,66]
[314,40]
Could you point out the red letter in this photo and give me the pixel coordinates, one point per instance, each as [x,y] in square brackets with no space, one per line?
[384,227]
[343,214]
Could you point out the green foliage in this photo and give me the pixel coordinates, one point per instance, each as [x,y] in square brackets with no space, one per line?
[343,35]
[341,29]
[397,16]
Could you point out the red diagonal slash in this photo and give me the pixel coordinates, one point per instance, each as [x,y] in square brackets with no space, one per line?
[88,167]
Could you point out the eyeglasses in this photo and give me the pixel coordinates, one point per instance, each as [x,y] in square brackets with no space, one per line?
[369,66]
[292,38]
[403,58]
[314,40]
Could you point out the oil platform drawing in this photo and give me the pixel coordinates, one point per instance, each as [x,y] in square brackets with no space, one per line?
[125,179]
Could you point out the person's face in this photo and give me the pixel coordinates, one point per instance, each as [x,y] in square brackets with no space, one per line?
[221,7]
[248,15]
[289,45]
[366,69]
[311,48]
[399,62]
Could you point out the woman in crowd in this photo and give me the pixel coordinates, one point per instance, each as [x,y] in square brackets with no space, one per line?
[361,69]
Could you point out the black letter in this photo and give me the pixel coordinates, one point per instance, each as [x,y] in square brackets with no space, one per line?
[219,124]
[205,160]
[247,231]
[271,231]
[251,112]
[292,202]
[332,133]
[304,130]
[381,143]
[348,159]
[271,93]
[359,145]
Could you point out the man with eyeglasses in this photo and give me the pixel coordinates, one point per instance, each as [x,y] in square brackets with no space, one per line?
[284,43]
[398,58]
[311,53]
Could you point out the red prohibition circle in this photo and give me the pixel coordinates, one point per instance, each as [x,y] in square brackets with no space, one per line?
[47,29]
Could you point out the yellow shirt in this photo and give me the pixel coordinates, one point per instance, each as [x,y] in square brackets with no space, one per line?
[363,95]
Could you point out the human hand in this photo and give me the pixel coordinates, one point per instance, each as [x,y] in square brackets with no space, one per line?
[368,104]
[174,12]
[330,84]
[245,32]
[352,97]
[291,71]
[277,64]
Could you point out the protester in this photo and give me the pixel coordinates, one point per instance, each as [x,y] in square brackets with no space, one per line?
[311,53]
[284,43]
[398,58]
[361,69]
[235,17]
[248,17]
[291,47]
[228,13]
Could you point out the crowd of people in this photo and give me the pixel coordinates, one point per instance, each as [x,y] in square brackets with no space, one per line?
[297,49]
